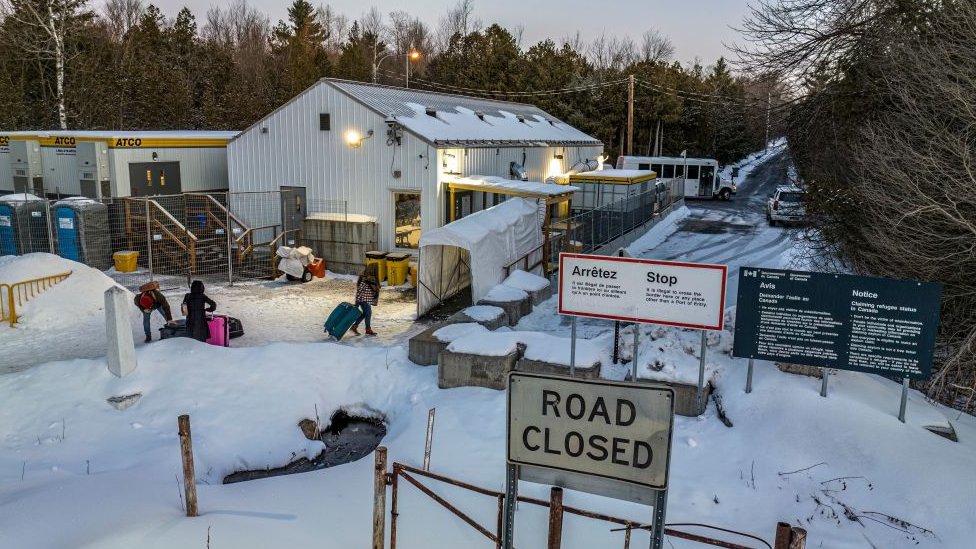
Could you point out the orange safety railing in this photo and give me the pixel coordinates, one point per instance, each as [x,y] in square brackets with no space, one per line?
[17,294]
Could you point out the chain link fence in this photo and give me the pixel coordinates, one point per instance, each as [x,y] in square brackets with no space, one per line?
[220,238]
[592,229]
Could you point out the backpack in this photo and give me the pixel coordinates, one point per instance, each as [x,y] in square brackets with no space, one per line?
[146,301]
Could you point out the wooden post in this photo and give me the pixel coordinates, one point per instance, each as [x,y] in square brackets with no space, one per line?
[630,114]
[783,534]
[555,518]
[798,538]
[379,499]
[189,478]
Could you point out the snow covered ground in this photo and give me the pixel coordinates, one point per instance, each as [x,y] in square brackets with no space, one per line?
[76,472]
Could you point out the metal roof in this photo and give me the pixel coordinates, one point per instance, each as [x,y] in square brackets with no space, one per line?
[457,120]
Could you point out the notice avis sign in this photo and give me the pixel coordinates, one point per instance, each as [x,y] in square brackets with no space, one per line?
[689,295]
[617,432]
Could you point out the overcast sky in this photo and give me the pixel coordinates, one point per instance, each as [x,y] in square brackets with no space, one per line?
[698,28]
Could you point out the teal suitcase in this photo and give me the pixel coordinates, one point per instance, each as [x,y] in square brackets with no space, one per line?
[341,318]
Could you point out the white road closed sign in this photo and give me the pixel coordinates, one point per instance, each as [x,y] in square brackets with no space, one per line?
[690,295]
[617,431]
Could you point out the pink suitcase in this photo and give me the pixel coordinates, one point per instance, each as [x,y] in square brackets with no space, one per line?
[219,331]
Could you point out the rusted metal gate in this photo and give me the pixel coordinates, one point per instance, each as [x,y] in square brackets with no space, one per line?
[787,537]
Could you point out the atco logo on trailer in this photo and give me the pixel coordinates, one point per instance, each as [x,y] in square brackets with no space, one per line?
[689,295]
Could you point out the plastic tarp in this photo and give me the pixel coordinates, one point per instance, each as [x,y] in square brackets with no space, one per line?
[475,251]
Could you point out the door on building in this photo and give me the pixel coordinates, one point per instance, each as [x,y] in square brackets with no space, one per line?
[293,211]
[154,178]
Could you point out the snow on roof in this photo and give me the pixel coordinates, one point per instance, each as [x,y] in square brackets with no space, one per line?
[19,197]
[667,159]
[610,173]
[500,184]
[112,134]
[446,119]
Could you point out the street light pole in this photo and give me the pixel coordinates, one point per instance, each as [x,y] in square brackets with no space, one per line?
[412,55]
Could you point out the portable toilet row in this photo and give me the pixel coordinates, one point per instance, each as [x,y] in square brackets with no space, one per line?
[80,228]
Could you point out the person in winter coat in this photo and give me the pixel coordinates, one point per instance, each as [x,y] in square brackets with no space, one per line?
[367,296]
[196,305]
[149,301]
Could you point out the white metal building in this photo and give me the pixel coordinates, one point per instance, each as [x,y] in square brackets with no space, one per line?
[385,152]
[101,164]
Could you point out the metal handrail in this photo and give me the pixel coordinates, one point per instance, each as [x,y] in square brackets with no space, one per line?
[19,293]
[172,219]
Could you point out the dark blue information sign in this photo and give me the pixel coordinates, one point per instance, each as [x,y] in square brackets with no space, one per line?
[859,323]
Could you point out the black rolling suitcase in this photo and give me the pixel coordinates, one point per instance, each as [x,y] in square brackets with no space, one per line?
[177,329]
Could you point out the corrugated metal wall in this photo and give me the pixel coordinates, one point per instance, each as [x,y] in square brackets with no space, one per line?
[288,148]
[201,169]
[540,162]
[60,169]
[6,173]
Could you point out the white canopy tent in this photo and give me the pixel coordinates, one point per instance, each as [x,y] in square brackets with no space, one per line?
[475,251]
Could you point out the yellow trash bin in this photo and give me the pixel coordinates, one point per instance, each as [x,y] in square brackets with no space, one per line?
[126,261]
[413,274]
[380,259]
[397,266]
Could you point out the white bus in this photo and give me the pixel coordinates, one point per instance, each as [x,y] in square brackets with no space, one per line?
[701,181]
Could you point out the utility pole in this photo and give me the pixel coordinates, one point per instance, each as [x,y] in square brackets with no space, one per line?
[630,114]
[768,98]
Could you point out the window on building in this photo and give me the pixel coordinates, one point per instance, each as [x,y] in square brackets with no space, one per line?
[406,220]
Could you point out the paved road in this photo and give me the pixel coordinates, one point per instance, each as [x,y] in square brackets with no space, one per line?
[734,233]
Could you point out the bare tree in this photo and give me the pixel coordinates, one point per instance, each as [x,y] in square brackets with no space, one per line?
[655,47]
[122,15]
[44,29]
[459,20]
[612,53]
[336,26]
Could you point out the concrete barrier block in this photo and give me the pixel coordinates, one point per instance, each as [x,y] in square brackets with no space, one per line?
[514,310]
[685,395]
[589,371]
[468,370]
[423,348]
[121,348]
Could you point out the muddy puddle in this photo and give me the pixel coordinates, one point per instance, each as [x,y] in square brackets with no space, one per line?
[348,438]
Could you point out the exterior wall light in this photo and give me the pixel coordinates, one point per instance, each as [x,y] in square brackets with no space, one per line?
[355,139]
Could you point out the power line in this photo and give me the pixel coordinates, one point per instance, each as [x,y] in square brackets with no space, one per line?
[461,89]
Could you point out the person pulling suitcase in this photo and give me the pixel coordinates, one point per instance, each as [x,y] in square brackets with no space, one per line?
[367,296]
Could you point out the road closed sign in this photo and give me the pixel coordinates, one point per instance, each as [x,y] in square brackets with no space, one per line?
[689,295]
[615,431]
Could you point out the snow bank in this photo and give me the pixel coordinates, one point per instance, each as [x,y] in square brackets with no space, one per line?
[526,281]
[78,298]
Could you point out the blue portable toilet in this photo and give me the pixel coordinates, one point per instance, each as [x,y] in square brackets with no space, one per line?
[83,231]
[24,225]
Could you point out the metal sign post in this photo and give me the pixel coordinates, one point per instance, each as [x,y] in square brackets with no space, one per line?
[660,508]
[572,347]
[429,442]
[511,495]
[633,375]
[749,376]
[904,399]
[823,386]
[701,374]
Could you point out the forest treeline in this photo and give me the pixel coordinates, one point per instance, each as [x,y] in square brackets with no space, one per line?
[883,134]
[125,65]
